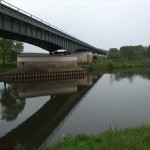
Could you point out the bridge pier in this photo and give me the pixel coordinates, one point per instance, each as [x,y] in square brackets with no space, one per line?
[84,57]
[44,67]
[45,60]
[99,56]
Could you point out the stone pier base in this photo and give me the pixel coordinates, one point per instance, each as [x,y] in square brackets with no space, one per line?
[43,67]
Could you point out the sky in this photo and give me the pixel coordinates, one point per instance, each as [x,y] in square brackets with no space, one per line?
[102,23]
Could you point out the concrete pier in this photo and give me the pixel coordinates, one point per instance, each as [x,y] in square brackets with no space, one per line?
[45,60]
[84,56]
[43,67]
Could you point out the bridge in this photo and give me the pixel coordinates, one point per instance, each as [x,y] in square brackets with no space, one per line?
[20,25]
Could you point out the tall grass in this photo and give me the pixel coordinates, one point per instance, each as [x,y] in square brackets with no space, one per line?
[137,138]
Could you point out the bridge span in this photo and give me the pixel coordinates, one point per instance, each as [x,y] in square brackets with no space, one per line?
[19,25]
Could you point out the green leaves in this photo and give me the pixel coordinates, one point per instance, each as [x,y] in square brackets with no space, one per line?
[138,52]
[9,49]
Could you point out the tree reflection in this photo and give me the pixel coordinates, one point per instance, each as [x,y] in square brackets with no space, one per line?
[145,73]
[11,104]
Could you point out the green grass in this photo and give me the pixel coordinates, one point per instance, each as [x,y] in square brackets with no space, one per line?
[137,138]
[109,65]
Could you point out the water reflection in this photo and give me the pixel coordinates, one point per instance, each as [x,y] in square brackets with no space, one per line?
[124,103]
[65,96]
[130,75]
[11,104]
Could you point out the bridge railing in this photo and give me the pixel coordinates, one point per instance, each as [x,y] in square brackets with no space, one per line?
[26,13]
[40,20]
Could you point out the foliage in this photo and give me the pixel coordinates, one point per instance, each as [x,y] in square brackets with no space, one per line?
[108,65]
[130,53]
[7,67]
[127,52]
[148,51]
[19,146]
[114,53]
[137,138]
[9,49]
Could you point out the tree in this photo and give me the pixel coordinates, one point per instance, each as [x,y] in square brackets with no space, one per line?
[114,53]
[148,51]
[9,49]
[138,52]
[127,52]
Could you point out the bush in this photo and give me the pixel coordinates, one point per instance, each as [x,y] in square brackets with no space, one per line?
[110,66]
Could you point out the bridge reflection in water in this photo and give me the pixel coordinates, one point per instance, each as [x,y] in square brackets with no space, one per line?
[40,128]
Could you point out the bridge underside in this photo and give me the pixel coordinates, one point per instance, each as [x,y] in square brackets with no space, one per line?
[30,40]
[46,45]
[15,29]
[26,28]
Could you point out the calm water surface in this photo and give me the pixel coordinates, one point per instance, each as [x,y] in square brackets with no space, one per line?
[41,113]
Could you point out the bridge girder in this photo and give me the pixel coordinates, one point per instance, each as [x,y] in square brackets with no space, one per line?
[25,28]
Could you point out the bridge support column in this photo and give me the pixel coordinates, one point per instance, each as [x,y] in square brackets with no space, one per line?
[84,56]
[100,56]
[43,66]
[44,60]
[95,57]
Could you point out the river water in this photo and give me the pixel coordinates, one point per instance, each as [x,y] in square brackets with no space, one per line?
[40,113]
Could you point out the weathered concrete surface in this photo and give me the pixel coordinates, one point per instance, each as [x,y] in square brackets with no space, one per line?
[44,69]
[84,56]
[37,66]
[45,60]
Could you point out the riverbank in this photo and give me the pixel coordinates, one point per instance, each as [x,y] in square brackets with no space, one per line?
[94,68]
[98,66]
[109,65]
[136,138]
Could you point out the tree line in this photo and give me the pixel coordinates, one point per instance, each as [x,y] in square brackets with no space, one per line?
[130,53]
[9,49]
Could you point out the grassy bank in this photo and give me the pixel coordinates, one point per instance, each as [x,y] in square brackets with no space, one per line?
[107,65]
[137,138]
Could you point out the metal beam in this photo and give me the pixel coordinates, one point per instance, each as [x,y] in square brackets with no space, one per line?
[24,26]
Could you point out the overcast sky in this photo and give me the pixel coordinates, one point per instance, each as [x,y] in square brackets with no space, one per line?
[101,23]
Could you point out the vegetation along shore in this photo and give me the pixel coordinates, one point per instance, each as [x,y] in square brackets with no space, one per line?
[136,138]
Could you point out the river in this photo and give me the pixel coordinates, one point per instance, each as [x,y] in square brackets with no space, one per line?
[40,113]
